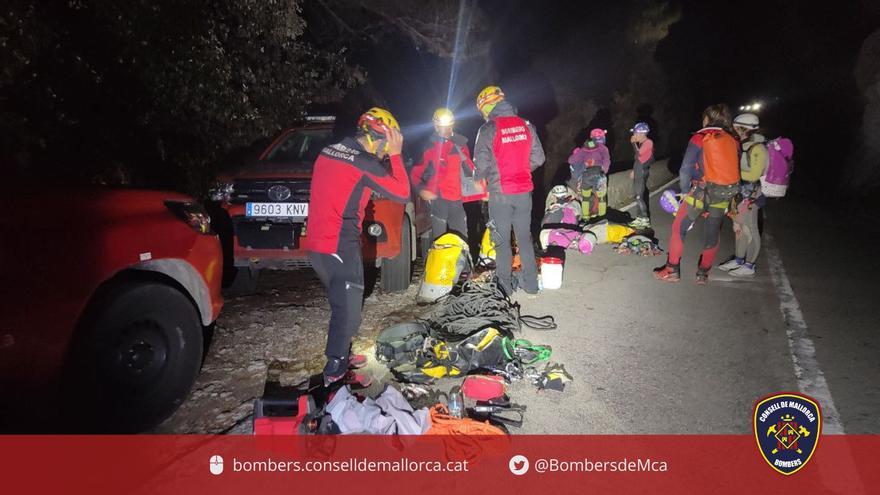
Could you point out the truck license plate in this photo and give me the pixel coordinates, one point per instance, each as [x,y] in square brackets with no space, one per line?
[277,209]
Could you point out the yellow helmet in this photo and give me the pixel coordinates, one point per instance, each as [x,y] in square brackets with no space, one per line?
[443,117]
[376,122]
[488,98]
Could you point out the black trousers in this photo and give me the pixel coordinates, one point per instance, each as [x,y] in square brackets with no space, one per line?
[514,210]
[342,275]
[476,212]
[447,215]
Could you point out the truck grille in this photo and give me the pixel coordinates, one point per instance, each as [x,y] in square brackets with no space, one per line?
[257,190]
[257,234]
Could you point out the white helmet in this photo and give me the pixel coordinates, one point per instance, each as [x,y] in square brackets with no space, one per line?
[747,120]
[559,191]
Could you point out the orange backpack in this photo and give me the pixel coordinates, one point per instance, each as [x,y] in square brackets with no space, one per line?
[720,165]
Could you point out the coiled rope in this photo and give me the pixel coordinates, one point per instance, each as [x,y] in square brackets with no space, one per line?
[475,306]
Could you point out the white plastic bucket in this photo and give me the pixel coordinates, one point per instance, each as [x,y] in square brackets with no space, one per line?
[551,272]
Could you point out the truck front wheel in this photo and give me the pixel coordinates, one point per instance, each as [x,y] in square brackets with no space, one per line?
[136,358]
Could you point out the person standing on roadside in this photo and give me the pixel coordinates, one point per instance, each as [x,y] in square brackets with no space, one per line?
[345,174]
[753,164]
[506,153]
[643,149]
[589,174]
[444,178]
[709,177]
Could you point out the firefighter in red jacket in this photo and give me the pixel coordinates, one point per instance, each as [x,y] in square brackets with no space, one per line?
[506,152]
[444,177]
[344,175]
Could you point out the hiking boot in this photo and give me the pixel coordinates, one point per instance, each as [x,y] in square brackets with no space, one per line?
[702,276]
[356,361]
[731,264]
[335,370]
[667,273]
[744,270]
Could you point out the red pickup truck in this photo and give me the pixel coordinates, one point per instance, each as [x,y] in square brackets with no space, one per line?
[106,298]
[267,206]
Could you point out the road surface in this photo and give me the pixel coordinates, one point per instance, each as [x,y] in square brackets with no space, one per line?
[652,357]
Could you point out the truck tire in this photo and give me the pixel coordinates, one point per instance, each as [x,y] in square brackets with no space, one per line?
[136,357]
[245,282]
[396,272]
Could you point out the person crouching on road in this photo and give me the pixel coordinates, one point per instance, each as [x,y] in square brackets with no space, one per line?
[506,152]
[589,168]
[753,164]
[444,177]
[344,176]
[643,148]
[717,133]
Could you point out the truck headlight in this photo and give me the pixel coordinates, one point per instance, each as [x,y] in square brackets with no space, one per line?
[221,191]
[192,214]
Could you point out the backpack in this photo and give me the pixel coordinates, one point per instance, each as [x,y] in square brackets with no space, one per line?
[780,165]
[563,213]
[401,343]
[448,257]
[720,165]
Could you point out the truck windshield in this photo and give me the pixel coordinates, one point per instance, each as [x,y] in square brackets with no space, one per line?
[300,147]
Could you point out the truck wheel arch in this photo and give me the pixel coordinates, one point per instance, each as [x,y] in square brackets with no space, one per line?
[186,277]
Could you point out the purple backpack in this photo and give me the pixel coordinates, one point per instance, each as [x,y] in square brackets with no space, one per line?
[774,182]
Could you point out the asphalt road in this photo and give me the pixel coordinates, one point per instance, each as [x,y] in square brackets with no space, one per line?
[651,357]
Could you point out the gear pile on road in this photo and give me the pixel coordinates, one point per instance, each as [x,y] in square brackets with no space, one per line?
[452,371]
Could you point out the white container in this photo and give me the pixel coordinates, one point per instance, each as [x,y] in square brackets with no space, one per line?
[551,272]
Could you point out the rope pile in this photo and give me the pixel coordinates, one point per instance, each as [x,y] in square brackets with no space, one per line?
[479,305]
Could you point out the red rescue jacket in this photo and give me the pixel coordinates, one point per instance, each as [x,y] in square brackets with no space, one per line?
[440,169]
[512,147]
[343,177]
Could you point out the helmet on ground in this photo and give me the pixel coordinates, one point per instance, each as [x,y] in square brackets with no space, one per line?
[641,127]
[376,122]
[488,98]
[747,121]
[559,191]
[598,135]
[669,202]
[443,117]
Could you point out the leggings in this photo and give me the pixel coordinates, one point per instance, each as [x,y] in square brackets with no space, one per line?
[640,191]
[745,230]
[684,220]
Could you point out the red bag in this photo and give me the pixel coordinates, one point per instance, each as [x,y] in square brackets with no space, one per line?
[483,387]
[721,158]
